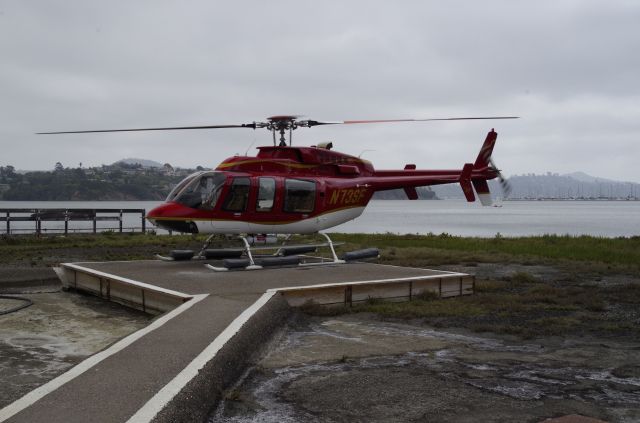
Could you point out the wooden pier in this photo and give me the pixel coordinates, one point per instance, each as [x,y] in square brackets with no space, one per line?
[69,217]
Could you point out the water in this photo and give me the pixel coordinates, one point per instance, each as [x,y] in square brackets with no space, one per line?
[456,217]
[514,218]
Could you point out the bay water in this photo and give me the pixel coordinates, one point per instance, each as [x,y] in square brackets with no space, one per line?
[455,217]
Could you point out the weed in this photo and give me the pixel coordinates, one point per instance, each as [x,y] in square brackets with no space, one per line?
[522,278]
[488,285]
[314,309]
[426,296]
[373,301]
[233,395]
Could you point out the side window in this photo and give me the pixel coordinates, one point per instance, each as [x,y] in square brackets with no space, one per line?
[266,193]
[300,196]
[236,200]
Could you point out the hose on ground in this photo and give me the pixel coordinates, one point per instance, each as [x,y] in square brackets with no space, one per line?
[25,303]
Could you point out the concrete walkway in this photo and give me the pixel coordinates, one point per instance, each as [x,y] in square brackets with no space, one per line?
[177,368]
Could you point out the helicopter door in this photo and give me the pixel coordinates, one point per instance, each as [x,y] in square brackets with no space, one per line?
[235,203]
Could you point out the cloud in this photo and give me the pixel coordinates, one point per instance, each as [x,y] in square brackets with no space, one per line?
[569,68]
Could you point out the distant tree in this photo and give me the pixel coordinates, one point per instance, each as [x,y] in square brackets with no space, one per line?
[199,168]
[7,171]
[58,167]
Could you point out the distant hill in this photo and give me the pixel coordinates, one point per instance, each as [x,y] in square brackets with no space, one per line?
[143,162]
[583,177]
[577,185]
[120,181]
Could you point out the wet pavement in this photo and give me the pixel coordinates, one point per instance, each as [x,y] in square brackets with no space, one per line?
[358,368]
[59,330]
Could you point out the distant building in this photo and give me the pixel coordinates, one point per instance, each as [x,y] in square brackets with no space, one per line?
[168,169]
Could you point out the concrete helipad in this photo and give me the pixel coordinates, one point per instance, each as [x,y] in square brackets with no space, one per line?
[213,324]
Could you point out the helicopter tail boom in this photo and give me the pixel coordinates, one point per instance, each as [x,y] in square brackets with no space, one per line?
[472,177]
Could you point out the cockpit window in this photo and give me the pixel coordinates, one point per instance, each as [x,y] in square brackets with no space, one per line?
[199,191]
[176,190]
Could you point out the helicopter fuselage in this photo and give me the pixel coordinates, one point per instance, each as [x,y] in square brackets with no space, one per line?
[299,190]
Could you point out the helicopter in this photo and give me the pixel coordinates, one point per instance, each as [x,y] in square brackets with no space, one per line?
[287,189]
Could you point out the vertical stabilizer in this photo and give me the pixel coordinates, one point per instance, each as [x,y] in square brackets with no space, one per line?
[487,149]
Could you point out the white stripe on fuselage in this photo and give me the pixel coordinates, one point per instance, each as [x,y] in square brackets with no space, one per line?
[303,226]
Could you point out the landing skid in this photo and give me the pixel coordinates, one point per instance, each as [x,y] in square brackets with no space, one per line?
[280,258]
[248,257]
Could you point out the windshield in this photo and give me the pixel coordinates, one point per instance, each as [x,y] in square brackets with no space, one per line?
[199,191]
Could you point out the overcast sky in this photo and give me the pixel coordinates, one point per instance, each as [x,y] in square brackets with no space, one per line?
[570,69]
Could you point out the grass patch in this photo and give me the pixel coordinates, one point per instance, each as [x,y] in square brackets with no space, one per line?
[520,305]
[600,254]
[608,251]
[48,250]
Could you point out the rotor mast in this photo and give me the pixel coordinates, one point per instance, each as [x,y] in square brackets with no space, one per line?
[281,124]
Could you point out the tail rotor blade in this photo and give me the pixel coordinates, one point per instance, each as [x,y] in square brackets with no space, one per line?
[504,183]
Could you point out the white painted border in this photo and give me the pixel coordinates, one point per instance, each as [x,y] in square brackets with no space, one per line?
[93,272]
[422,268]
[173,388]
[35,395]
[370,282]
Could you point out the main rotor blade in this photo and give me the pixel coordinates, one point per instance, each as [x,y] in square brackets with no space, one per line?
[244,125]
[351,122]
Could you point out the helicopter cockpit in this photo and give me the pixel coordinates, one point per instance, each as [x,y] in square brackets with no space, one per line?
[200,190]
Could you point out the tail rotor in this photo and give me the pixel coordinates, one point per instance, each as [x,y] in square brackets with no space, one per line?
[504,183]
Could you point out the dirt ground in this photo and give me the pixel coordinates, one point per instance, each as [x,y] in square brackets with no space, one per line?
[370,367]
[358,368]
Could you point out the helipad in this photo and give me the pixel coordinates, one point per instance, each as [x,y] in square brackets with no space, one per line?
[213,324]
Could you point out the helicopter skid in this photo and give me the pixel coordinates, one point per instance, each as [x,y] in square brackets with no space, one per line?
[225,269]
[259,267]
[166,258]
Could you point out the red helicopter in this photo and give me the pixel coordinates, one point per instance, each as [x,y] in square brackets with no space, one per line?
[300,190]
